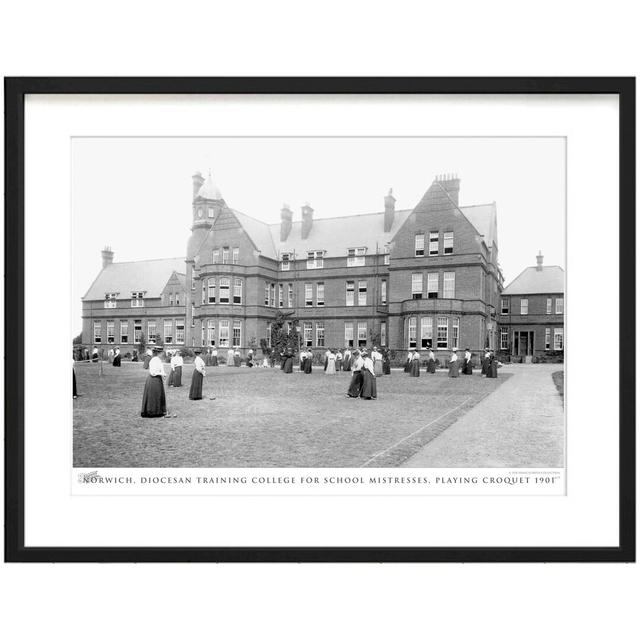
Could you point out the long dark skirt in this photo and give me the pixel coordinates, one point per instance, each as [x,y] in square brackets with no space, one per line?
[308,368]
[386,367]
[407,366]
[170,379]
[116,360]
[492,371]
[236,361]
[338,365]
[467,368]
[414,369]
[356,384]
[75,388]
[195,393]
[431,366]
[346,364]
[177,377]
[326,362]
[288,365]
[369,389]
[154,401]
[214,361]
[485,366]
[453,369]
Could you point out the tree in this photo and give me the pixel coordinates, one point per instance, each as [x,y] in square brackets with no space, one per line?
[284,335]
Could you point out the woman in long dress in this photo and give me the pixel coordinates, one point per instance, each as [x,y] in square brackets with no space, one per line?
[154,401]
[376,357]
[414,367]
[250,358]
[431,362]
[171,372]
[407,364]
[346,360]
[453,365]
[492,370]
[116,358]
[386,363]
[368,390]
[308,362]
[236,358]
[195,392]
[467,367]
[338,360]
[356,376]
[287,365]
[214,357]
[485,362]
[330,369]
[176,369]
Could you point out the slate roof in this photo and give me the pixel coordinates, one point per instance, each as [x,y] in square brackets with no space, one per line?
[150,276]
[485,219]
[530,281]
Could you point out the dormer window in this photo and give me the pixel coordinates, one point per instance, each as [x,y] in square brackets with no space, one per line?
[225,255]
[137,298]
[285,262]
[355,257]
[315,259]
[215,257]
[110,300]
[235,255]
[210,212]
[200,213]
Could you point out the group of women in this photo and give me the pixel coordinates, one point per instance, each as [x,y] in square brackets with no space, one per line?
[456,365]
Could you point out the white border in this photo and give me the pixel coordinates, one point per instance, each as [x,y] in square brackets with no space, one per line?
[587,516]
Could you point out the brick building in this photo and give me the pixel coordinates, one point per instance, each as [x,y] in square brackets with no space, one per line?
[532,313]
[420,277]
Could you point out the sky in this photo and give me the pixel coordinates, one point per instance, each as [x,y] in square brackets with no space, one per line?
[135,194]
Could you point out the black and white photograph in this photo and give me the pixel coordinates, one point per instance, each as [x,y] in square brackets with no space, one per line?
[318,302]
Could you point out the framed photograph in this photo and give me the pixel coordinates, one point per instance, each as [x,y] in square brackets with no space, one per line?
[320,319]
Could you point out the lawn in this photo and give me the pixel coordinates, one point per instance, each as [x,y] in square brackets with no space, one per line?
[264,418]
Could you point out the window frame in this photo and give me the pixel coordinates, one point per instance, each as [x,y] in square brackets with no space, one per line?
[222,287]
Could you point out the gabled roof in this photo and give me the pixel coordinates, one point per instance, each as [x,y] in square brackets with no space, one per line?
[532,281]
[336,235]
[258,232]
[122,278]
[485,219]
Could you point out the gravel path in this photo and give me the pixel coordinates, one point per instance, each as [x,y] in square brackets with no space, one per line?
[521,424]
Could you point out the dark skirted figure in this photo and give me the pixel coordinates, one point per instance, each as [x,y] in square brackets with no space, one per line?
[346,360]
[492,369]
[368,391]
[431,362]
[214,357]
[154,401]
[467,366]
[116,358]
[146,360]
[134,357]
[250,358]
[485,362]
[175,377]
[356,376]
[95,356]
[454,365]
[195,392]
[386,363]
[414,367]
[287,362]
[407,364]
[338,360]
[236,358]
[308,363]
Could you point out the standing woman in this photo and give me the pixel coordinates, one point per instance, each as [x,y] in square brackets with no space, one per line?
[214,357]
[376,358]
[407,364]
[453,364]
[386,363]
[368,390]
[346,360]
[467,367]
[171,374]
[492,370]
[250,358]
[154,401]
[195,392]
[176,368]
[308,361]
[330,369]
[431,362]
[287,365]
[414,367]
[116,358]
[485,362]
[356,377]
[236,358]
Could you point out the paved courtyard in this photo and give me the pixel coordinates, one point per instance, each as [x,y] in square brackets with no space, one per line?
[521,424]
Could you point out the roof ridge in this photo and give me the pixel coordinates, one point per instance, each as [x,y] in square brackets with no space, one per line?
[146,260]
[350,215]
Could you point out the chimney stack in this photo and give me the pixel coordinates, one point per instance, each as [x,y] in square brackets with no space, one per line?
[286,216]
[539,259]
[451,184]
[307,220]
[389,210]
[107,257]
[198,181]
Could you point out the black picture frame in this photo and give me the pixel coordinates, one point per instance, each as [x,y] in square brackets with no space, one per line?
[15,91]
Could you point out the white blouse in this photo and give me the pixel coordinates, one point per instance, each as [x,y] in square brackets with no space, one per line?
[155,367]
[454,357]
[368,365]
[199,363]
[358,363]
[176,361]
